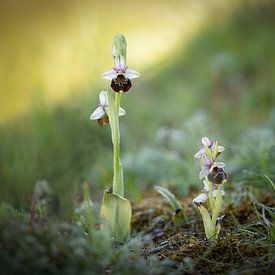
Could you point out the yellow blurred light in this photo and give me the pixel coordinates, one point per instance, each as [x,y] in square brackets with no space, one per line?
[57,51]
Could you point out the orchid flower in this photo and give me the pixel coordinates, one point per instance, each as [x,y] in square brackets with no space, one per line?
[217,176]
[208,166]
[214,178]
[101,112]
[207,143]
[120,75]
[203,197]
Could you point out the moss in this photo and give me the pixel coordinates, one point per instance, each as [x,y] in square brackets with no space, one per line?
[242,248]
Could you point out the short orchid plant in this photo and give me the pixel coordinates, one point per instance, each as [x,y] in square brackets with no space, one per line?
[214,177]
[115,209]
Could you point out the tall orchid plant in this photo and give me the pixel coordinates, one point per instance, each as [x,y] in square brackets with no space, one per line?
[115,209]
[214,177]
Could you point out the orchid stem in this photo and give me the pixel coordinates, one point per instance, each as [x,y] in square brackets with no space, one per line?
[210,194]
[118,184]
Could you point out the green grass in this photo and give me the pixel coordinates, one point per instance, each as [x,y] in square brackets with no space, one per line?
[221,86]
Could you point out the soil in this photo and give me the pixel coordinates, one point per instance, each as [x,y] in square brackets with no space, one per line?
[244,245]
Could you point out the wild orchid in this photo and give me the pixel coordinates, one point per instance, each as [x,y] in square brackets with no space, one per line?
[101,112]
[115,209]
[214,177]
[120,75]
[208,166]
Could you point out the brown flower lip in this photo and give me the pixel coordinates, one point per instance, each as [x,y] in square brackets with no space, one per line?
[103,120]
[120,83]
[217,176]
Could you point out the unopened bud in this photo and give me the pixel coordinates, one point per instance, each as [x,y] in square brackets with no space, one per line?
[119,46]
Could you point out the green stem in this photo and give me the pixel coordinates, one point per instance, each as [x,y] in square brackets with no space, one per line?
[118,185]
[210,194]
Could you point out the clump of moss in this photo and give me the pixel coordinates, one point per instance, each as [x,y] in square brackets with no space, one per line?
[243,246]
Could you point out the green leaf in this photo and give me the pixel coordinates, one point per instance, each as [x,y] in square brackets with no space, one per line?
[169,197]
[217,205]
[208,152]
[116,212]
[271,182]
[209,227]
[270,212]
[210,193]
[215,150]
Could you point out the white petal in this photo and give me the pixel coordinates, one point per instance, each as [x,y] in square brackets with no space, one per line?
[220,164]
[103,98]
[117,63]
[131,74]
[122,112]
[206,141]
[220,149]
[121,62]
[199,153]
[98,113]
[109,75]
[200,198]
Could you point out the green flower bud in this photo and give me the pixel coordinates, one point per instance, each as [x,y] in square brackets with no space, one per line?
[119,46]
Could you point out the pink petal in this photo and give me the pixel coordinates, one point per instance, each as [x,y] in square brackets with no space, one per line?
[204,172]
[220,164]
[206,141]
[205,160]
[119,62]
[122,62]
[199,153]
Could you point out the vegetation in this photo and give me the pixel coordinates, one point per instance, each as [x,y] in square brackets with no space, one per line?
[220,86]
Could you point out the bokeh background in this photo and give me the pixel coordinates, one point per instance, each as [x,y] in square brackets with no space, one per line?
[207,69]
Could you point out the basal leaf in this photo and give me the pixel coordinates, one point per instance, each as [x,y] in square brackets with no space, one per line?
[209,227]
[217,205]
[169,197]
[116,213]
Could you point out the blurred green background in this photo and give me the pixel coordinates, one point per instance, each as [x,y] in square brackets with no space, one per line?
[207,69]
